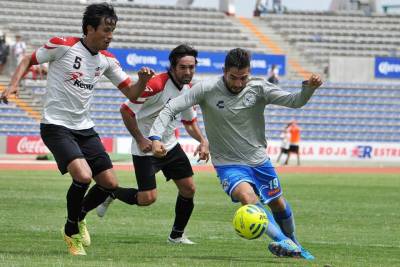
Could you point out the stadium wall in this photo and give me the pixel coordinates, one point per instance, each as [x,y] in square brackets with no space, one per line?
[309,150]
[313,151]
[3,144]
[355,70]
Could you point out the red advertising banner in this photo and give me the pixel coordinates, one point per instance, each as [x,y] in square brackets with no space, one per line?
[35,145]
[108,143]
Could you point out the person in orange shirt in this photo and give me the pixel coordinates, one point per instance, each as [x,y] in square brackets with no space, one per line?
[295,131]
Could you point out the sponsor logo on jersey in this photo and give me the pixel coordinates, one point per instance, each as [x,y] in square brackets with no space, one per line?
[249,99]
[97,72]
[74,76]
[83,85]
[220,104]
[274,192]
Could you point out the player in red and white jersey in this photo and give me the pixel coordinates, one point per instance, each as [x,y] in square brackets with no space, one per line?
[138,117]
[75,66]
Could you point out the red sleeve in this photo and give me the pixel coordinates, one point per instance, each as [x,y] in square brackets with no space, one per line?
[155,85]
[107,54]
[189,122]
[67,41]
[126,108]
[125,83]
[34,59]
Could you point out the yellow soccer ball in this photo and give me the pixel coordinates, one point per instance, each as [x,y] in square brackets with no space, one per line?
[250,221]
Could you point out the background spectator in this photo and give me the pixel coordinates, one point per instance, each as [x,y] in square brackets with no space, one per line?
[260,8]
[4,50]
[277,6]
[18,49]
[295,131]
[273,76]
[285,144]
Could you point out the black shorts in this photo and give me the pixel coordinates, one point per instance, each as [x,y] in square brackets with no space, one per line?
[294,148]
[284,150]
[175,165]
[67,145]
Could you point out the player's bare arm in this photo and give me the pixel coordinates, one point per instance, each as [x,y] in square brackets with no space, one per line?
[203,148]
[133,128]
[12,88]
[133,91]
[314,81]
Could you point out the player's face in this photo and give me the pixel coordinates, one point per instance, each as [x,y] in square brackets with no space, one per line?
[236,79]
[103,35]
[184,70]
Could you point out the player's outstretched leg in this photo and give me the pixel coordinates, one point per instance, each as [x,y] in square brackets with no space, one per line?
[102,208]
[282,245]
[126,195]
[285,220]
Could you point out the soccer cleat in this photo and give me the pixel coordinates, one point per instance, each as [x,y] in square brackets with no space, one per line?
[284,248]
[180,240]
[305,254]
[83,231]
[102,208]
[74,244]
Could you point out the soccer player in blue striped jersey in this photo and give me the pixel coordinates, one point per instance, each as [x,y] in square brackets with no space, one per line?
[233,113]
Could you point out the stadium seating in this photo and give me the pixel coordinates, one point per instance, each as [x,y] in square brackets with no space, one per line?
[337,112]
[322,34]
[140,26]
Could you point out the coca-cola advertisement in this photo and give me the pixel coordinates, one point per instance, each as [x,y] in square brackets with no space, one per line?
[35,145]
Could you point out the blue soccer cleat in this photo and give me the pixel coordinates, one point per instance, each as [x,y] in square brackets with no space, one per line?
[305,254]
[284,248]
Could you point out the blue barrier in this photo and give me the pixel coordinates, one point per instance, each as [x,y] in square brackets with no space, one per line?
[387,67]
[208,62]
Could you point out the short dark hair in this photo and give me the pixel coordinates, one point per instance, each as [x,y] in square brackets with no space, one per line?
[237,58]
[179,52]
[95,12]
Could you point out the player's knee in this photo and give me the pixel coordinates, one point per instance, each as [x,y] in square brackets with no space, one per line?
[147,198]
[277,205]
[83,177]
[246,197]
[110,184]
[188,191]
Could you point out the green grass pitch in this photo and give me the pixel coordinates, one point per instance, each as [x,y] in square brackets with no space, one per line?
[343,219]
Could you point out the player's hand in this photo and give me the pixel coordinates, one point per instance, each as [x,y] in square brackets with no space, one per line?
[158,149]
[314,82]
[10,90]
[145,145]
[145,74]
[203,151]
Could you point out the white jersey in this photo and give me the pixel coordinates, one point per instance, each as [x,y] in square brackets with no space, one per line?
[234,123]
[72,75]
[159,90]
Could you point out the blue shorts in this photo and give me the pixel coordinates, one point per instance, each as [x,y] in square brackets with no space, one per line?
[263,178]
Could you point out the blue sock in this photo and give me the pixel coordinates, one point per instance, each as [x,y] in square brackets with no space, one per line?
[273,230]
[286,222]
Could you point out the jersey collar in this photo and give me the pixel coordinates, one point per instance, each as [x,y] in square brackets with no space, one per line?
[87,48]
[174,82]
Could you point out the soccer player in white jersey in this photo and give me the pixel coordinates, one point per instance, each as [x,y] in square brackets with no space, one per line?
[75,66]
[138,117]
[233,113]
